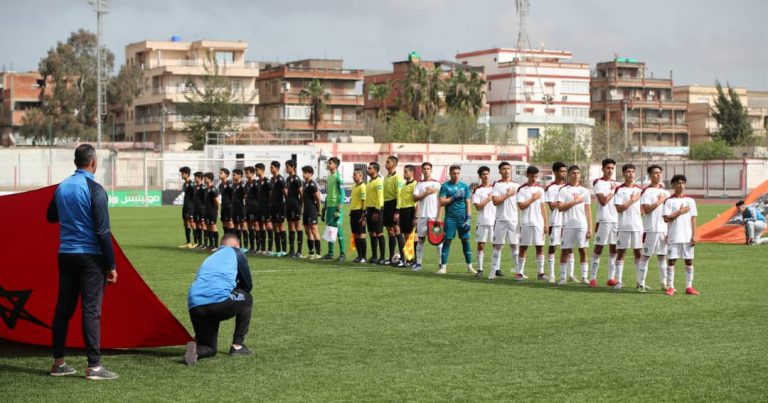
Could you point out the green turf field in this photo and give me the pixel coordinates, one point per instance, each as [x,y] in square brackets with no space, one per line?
[329,331]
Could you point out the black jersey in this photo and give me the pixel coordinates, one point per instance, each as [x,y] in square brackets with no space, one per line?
[294,190]
[277,197]
[264,186]
[240,193]
[189,193]
[199,202]
[227,191]
[310,204]
[211,194]
[251,192]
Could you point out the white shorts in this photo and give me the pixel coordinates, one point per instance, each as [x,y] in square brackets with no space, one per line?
[654,243]
[531,236]
[484,233]
[555,235]
[574,238]
[679,251]
[505,231]
[629,240]
[421,227]
[605,233]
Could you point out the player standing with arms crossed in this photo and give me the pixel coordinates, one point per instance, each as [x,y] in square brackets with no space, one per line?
[607,219]
[482,198]
[654,228]
[505,226]
[574,201]
[627,200]
[533,223]
[428,208]
[680,214]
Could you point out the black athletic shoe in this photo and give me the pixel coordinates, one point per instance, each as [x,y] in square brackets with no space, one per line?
[373,260]
[357,260]
[499,273]
[328,257]
[479,273]
[385,262]
[243,350]
[341,258]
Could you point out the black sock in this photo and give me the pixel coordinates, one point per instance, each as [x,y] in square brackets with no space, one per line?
[311,245]
[270,239]
[381,246]
[263,242]
[292,241]
[392,241]
[252,238]
[194,236]
[374,248]
[284,240]
[401,246]
[214,239]
[198,236]
[317,246]
[358,247]
[364,246]
[186,233]
[300,240]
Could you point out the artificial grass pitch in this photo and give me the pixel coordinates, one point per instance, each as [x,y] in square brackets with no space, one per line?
[339,331]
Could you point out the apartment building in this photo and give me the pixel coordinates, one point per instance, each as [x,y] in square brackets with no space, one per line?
[159,114]
[19,92]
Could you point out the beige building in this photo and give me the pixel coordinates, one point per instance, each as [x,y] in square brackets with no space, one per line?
[282,109]
[170,69]
[701,101]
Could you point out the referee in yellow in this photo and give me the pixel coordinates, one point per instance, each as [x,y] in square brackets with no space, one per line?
[407,211]
[357,214]
[393,184]
[374,201]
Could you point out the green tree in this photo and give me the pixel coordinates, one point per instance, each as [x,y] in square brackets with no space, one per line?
[710,150]
[315,94]
[457,127]
[608,141]
[415,91]
[122,89]
[559,144]
[464,94]
[69,104]
[213,105]
[403,128]
[731,116]
[380,93]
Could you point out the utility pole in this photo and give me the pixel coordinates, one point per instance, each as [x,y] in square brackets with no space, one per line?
[100,6]
[626,138]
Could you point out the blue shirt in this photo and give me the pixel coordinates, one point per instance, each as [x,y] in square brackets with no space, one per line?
[218,276]
[751,213]
[457,209]
[81,206]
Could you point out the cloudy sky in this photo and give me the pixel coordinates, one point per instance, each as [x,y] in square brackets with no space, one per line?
[699,40]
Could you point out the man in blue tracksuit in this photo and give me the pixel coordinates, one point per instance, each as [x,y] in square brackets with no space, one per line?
[455,196]
[86,261]
[221,290]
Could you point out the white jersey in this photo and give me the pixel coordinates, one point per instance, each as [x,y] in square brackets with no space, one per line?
[654,221]
[607,212]
[531,217]
[427,207]
[507,210]
[574,217]
[486,215]
[680,228]
[629,219]
[550,196]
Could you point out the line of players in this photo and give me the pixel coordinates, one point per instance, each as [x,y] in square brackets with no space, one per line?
[649,221]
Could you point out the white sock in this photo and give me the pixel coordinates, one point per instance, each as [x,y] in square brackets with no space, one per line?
[480,259]
[671,276]
[520,265]
[551,262]
[540,264]
[662,270]
[419,251]
[563,270]
[619,270]
[584,266]
[495,259]
[688,276]
[439,251]
[595,266]
[571,264]
[515,256]
[642,269]
[612,266]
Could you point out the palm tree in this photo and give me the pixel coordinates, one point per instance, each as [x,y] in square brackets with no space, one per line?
[380,93]
[435,93]
[465,94]
[415,91]
[314,93]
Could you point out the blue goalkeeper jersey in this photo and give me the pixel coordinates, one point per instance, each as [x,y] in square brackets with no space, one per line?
[457,209]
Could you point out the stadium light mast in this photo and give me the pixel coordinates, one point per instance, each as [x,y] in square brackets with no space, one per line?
[100,7]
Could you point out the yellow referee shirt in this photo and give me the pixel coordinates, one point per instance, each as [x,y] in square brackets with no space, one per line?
[406,195]
[357,199]
[392,186]
[374,193]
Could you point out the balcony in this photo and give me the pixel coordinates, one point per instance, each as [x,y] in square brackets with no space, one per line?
[175,121]
[336,99]
[311,73]
[157,95]
[618,104]
[632,82]
[324,125]
[197,67]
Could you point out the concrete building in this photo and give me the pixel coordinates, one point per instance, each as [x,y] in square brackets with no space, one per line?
[656,123]
[701,101]
[282,109]
[170,69]
[530,90]
[398,75]
[19,92]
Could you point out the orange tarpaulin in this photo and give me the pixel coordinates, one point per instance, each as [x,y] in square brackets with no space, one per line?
[727,227]
[132,315]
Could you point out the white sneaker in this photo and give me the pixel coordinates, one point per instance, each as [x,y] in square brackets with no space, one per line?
[552,280]
[584,280]
[471,270]
[442,270]
[617,286]
[572,279]
[562,282]
[491,274]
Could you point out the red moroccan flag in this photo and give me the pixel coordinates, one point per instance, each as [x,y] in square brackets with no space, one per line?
[132,315]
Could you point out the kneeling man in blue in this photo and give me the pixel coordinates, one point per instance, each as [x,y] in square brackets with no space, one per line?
[455,195]
[221,291]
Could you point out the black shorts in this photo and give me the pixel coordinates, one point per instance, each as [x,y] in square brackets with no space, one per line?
[309,217]
[373,225]
[293,211]
[277,214]
[406,220]
[187,212]
[354,221]
[198,214]
[209,218]
[251,213]
[388,213]
[262,214]
[226,213]
[238,214]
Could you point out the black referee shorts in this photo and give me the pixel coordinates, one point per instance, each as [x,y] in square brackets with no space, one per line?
[388,213]
[406,220]
[354,221]
[373,225]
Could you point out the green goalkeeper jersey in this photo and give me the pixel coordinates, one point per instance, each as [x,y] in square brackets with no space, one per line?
[334,194]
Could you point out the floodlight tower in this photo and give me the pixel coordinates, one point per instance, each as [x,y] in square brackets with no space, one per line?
[100,7]
[522,7]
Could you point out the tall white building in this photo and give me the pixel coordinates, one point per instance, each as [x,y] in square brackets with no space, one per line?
[530,90]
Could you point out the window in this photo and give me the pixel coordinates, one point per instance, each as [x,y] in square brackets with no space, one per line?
[549,88]
[576,112]
[296,112]
[533,133]
[225,58]
[574,87]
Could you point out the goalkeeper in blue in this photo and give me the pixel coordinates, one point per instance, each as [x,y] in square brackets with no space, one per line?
[455,196]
